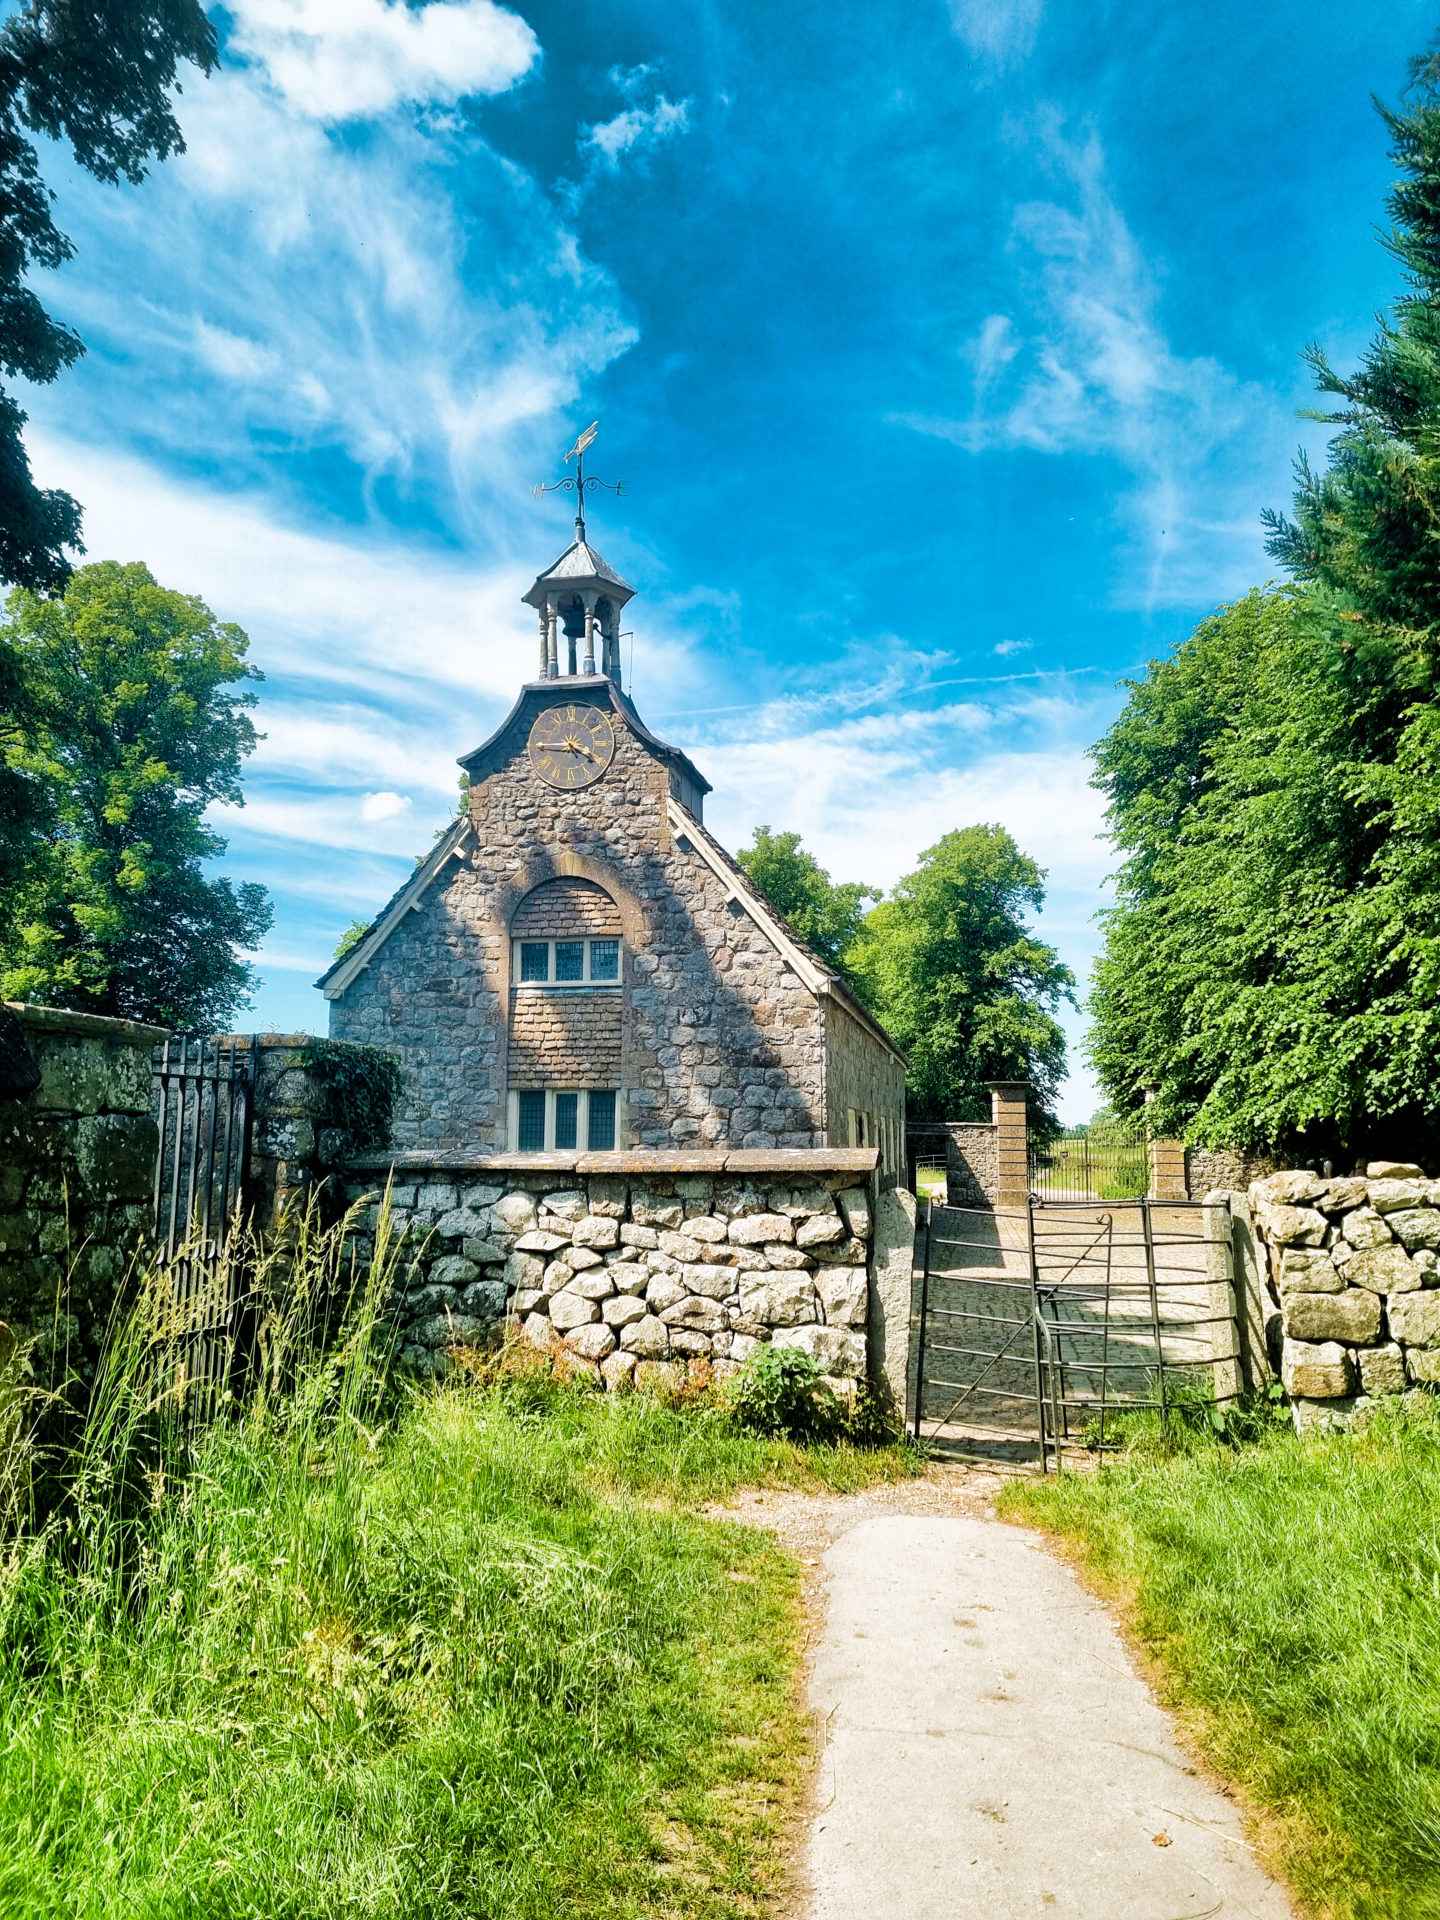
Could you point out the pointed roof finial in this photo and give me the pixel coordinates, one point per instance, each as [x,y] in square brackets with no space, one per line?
[578,482]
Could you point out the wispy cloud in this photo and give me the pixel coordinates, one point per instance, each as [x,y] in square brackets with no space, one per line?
[1087,367]
[999,31]
[636,130]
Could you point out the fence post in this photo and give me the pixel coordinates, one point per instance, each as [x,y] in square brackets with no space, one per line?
[1012,1140]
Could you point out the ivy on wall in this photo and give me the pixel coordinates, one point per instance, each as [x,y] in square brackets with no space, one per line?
[358,1088]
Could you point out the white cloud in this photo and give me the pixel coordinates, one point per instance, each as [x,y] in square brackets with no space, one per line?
[383,806]
[1005,648]
[335,60]
[636,130]
[1000,31]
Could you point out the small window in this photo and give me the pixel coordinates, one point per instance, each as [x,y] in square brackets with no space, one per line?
[569,959]
[567,1116]
[532,1122]
[604,959]
[535,960]
[601,1136]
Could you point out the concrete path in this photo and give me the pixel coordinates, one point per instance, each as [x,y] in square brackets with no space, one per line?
[990,1750]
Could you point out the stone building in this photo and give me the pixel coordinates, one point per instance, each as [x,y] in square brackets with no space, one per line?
[578,964]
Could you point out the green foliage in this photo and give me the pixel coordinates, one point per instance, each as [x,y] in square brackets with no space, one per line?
[780,1391]
[350,938]
[948,965]
[360,1086]
[126,733]
[1287,1590]
[1273,960]
[826,915]
[97,74]
[362,1651]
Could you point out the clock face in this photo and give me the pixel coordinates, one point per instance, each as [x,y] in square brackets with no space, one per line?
[571,746]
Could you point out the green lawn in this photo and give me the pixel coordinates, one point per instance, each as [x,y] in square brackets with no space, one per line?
[1290,1591]
[462,1652]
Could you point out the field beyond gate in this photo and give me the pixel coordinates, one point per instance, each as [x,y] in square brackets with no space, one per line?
[1041,1329]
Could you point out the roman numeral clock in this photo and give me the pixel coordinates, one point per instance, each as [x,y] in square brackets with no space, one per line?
[571,746]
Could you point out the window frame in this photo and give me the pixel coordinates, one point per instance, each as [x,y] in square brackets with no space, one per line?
[581,1096]
[611,983]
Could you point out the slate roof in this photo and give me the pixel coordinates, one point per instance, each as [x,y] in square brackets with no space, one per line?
[579,562]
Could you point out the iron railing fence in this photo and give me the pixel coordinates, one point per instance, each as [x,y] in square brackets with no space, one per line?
[1078,1164]
[1050,1328]
[203,1101]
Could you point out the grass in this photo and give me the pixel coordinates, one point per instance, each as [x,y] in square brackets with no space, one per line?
[1290,1593]
[363,1652]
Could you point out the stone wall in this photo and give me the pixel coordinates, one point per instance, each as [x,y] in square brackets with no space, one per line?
[1223,1170]
[299,1138]
[863,1080]
[634,1265]
[1352,1271]
[77,1173]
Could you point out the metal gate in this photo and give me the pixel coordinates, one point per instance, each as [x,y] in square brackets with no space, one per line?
[1045,1328]
[1109,1162]
[203,1101]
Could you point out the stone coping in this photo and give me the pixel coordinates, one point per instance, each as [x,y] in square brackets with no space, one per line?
[98,1026]
[799,1160]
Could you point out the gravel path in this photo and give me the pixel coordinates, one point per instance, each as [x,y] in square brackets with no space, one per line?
[986,1745]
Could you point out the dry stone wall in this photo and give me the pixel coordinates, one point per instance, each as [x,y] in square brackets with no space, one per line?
[77,1173]
[633,1277]
[1352,1268]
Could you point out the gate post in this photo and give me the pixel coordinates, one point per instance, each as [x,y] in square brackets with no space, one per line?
[1008,1111]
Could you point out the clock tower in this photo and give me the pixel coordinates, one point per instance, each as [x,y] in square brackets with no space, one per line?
[578,967]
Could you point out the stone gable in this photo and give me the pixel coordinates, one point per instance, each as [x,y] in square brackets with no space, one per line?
[721,1042]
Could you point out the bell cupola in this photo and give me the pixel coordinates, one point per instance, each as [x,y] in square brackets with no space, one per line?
[579,598]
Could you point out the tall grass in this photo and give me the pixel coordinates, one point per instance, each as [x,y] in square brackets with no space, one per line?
[1291,1592]
[352,1649]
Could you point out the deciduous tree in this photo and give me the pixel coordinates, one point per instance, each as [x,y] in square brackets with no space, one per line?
[129,731]
[826,914]
[949,966]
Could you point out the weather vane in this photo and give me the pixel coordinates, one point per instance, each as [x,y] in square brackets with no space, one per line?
[578,481]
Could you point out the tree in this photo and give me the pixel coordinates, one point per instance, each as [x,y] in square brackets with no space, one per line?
[826,916]
[98,74]
[948,966]
[128,734]
[1272,963]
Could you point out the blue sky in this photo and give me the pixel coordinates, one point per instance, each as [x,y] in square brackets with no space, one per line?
[948,352]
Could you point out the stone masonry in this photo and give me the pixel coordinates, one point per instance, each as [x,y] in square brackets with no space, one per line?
[1352,1270]
[77,1172]
[634,1274]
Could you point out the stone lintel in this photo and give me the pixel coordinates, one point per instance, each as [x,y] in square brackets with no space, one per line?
[96,1026]
[798,1160]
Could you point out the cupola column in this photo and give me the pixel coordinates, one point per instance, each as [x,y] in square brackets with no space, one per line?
[589,600]
[544,641]
[552,637]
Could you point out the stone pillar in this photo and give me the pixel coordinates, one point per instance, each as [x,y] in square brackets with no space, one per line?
[1167,1170]
[1252,1308]
[589,603]
[1009,1116]
[544,642]
[552,641]
[891,1285]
